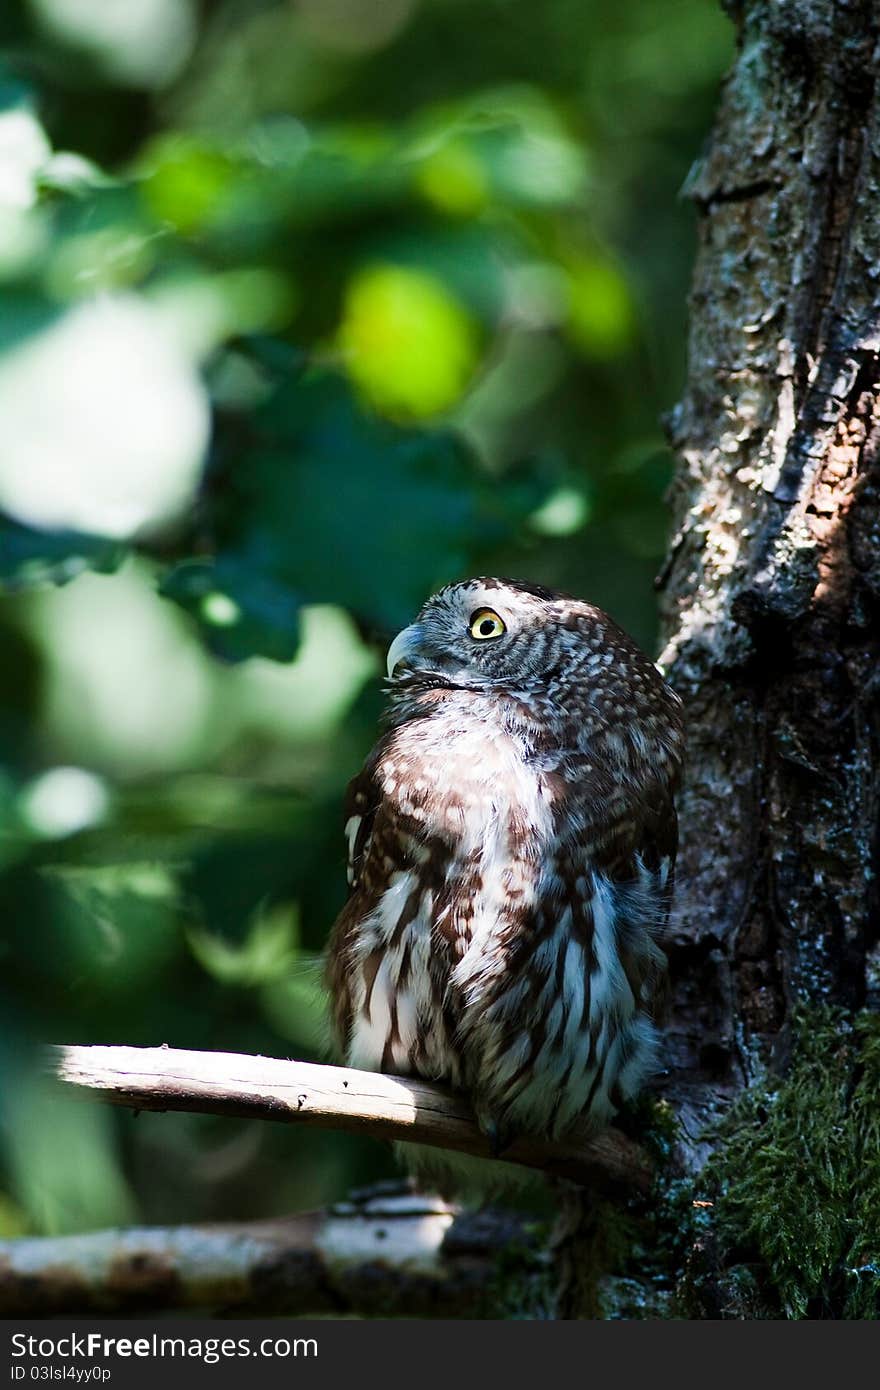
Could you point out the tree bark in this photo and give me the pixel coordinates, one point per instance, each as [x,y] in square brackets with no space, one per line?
[770,601]
[771,590]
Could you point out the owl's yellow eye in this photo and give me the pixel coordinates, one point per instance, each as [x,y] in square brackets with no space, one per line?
[485,623]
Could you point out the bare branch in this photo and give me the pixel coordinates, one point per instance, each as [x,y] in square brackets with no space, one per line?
[387,1252]
[385,1107]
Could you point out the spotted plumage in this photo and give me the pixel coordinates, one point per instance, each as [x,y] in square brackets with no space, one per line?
[511,843]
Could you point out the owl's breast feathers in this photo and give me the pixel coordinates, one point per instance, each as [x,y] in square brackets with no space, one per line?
[510,860]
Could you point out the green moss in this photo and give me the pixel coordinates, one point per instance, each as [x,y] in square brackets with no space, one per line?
[798,1174]
[646,1241]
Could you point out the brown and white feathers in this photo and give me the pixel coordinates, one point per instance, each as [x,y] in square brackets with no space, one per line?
[511,844]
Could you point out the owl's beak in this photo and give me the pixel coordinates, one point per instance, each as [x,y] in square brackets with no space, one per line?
[404,647]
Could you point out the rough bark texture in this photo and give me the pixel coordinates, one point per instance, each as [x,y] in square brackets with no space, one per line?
[771,592]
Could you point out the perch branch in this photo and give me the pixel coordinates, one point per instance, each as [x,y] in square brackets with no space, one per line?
[385,1107]
[388,1250]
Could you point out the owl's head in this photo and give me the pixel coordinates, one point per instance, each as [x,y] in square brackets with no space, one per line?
[502,632]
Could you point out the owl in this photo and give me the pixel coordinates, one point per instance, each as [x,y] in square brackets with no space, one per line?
[511,841]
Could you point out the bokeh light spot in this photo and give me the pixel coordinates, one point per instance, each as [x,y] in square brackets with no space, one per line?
[220,610]
[24,149]
[564,513]
[141,43]
[64,800]
[105,422]
[410,346]
[453,180]
[600,311]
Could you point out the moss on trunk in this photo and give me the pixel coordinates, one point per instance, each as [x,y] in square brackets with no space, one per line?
[797,1175]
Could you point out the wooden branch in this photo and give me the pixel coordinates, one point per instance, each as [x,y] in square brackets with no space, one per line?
[389,1251]
[386,1107]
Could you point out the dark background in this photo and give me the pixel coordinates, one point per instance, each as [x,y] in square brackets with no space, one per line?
[305,309]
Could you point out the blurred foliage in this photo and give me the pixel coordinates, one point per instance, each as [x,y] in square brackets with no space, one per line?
[306,307]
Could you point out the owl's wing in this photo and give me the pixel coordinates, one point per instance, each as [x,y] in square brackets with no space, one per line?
[659,841]
[658,854]
[638,861]
[361,803]
[633,842]
[362,800]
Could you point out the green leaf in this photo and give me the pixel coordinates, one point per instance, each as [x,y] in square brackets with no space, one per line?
[267,952]
[30,558]
[241,612]
[114,925]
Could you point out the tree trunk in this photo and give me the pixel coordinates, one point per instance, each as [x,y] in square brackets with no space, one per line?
[771,592]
